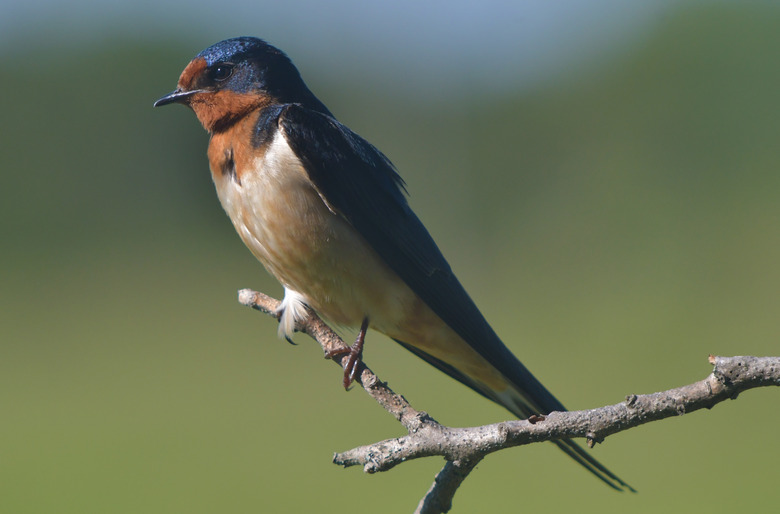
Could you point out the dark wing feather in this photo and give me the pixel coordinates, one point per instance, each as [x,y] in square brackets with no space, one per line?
[360,183]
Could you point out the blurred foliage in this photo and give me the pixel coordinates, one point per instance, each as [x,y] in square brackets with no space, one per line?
[616,226]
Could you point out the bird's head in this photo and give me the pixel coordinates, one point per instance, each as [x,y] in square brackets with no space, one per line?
[226,81]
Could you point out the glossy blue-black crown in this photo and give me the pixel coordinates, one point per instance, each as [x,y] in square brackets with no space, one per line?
[239,48]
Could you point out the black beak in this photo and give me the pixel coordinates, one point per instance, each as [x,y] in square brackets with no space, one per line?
[178,96]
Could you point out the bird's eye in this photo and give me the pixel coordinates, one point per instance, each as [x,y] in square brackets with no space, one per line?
[222,72]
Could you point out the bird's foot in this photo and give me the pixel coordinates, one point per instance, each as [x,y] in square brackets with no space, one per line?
[354,356]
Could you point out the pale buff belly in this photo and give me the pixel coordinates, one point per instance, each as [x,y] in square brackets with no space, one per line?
[313,251]
[308,248]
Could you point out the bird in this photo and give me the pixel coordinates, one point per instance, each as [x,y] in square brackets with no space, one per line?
[327,215]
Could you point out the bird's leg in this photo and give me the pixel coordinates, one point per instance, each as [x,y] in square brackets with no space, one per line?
[354,352]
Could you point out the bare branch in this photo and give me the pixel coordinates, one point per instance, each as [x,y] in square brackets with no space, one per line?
[439,496]
[731,376]
[463,448]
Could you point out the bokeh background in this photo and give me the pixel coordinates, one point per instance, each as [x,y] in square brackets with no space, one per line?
[603,177]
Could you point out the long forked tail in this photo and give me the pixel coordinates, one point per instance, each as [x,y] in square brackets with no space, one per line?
[577,453]
[526,397]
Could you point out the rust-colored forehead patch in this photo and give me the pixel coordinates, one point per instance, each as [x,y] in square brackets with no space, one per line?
[192,72]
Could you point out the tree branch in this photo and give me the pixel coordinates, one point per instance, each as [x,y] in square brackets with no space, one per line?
[463,448]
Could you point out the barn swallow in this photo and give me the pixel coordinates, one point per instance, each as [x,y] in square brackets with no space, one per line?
[326,213]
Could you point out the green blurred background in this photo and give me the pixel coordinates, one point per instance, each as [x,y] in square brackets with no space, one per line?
[611,206]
